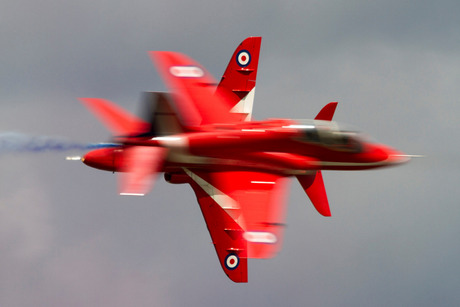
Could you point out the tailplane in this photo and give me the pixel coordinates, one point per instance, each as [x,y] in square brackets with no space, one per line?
[314,187]
[313,184]
[327,112]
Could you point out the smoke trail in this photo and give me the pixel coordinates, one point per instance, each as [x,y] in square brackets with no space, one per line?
[15,142]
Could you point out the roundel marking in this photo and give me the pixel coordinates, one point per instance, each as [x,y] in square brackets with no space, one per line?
[243,58]
[232,261]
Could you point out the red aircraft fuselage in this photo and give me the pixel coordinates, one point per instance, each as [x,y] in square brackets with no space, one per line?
[285,147]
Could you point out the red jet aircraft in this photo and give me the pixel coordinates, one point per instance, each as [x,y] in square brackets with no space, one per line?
[238,168]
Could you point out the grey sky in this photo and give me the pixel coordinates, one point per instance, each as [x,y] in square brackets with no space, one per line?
[67,239]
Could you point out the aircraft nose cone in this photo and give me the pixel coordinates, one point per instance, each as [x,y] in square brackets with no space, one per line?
[384,156]
[395,157]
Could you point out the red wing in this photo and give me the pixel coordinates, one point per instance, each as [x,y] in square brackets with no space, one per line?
[261,197]
[238,82]
[248,211]
[226,233]
[193,89]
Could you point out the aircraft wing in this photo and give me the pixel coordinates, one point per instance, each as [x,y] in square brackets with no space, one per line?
[193,90]
[238,83]
[244,213]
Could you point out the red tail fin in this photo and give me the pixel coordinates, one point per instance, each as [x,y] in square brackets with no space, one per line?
[117,120]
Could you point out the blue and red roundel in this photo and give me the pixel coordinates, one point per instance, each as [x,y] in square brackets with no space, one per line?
[243,58]
[232,261]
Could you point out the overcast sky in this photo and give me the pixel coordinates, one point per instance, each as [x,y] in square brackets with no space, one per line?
[68,239]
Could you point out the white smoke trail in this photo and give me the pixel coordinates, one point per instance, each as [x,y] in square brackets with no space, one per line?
[16,142]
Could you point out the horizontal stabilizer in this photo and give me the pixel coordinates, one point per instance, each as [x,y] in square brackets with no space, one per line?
[141,164]
[314,187]
[117,120]
[327,112]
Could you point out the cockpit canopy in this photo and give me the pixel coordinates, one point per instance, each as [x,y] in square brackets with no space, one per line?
[329,134]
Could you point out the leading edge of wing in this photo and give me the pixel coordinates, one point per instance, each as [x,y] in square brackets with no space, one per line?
[193,89]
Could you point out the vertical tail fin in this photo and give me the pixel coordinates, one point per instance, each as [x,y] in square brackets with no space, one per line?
[159,112]
[117,120]
[239,79]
